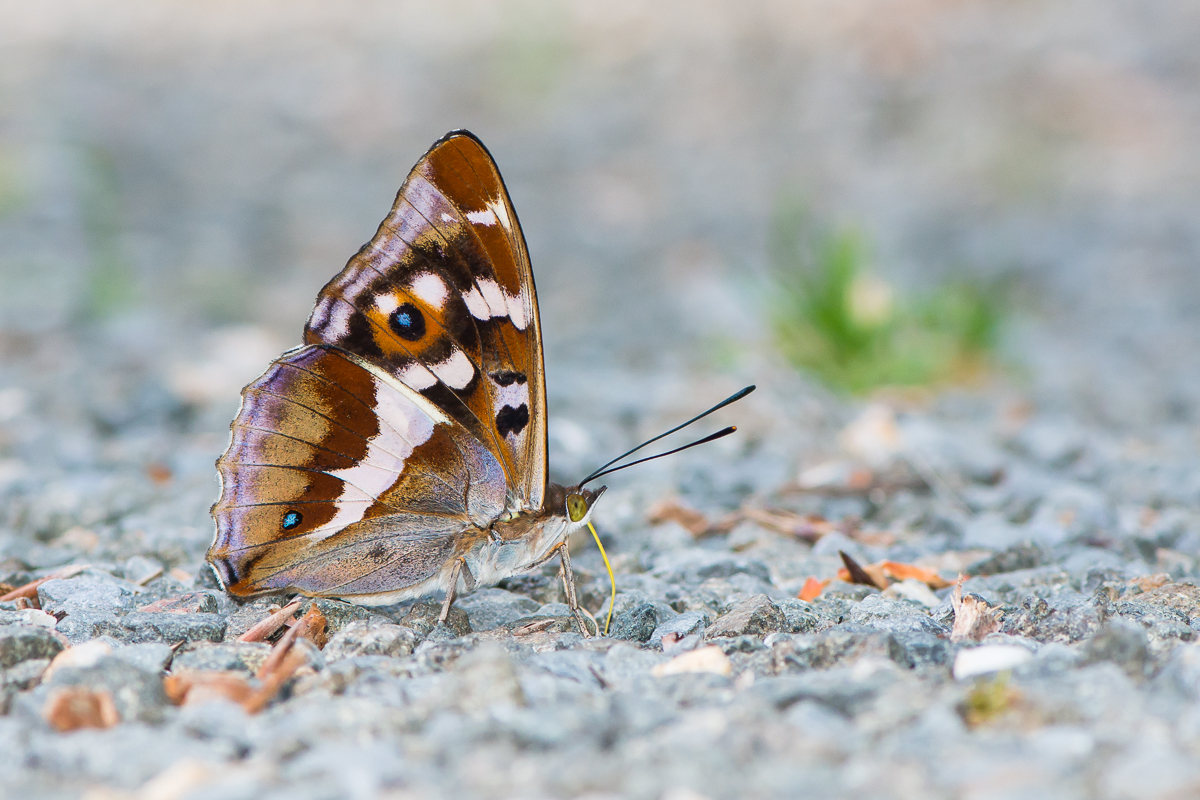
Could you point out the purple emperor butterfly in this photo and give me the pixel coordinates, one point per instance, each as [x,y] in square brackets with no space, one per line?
[401,450]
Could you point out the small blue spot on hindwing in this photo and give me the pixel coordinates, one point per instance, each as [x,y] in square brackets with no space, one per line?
[291,519]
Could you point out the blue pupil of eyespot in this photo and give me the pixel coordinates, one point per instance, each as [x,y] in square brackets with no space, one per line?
[290,520]
[407,322]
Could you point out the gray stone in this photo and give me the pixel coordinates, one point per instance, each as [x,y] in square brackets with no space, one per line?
[137,694]
[74,595]
[421,619]
[754,616]
[1123,643]
[85,624]
[635,622]
[1017,557]
[553,610]
[198,602]
[141,570]
[25,675]
[800,616]
[539,588]
[838,690]
[169,627]
[22,642]
[886,614]
[339,614]
[835,647]
[492,608]
[686,624]
[691,566]
[152,657]
[1064,617]
[361,638]
[245,657]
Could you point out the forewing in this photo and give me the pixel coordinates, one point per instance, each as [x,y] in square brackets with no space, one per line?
[443,298]
[340,481]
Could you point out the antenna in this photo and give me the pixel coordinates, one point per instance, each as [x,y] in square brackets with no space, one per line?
[733,398]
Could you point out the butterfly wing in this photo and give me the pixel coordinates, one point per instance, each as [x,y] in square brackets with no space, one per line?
[341,481]
[443,299]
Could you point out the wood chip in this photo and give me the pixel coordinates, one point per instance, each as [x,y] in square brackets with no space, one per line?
[671,510]
[285,659]
[973,617]
[808,527]
[261,631]
[70,708]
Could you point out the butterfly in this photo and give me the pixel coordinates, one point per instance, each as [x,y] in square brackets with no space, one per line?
[401,450]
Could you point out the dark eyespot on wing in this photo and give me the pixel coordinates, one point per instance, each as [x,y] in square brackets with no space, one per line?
[508,377]
[407,322]
[291,519]
[512,420]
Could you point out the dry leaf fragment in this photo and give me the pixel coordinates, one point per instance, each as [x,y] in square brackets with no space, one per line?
[900,571]
[812,589]
[705,659]
[671,510]
[187,688]
[69,708]
[268,627]
[29,590]
[973,617]
[870,575]
[312,626]
[285,659]
[275,677]
[809,527]
[1148,582]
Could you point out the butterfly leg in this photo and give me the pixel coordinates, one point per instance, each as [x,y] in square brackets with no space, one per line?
[460,570]
[568,579]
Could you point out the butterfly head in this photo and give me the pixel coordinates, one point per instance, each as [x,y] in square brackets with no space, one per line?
[572,502]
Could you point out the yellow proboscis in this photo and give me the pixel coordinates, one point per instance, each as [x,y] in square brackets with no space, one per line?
[611,579]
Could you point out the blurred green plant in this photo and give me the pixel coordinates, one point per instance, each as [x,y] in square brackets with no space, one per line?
[111,284]
[855,331]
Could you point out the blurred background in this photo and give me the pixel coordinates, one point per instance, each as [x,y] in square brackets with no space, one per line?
[178,180]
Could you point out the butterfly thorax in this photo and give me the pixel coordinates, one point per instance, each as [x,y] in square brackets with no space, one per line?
[520,543]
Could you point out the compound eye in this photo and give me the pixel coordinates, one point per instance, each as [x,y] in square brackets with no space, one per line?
[576,507]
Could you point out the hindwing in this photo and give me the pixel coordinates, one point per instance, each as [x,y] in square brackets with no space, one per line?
[341,481]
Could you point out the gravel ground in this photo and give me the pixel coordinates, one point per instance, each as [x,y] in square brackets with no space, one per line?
[175,185]
[716,680]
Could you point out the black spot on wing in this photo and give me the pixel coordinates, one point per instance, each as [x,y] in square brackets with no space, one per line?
[512,420]
[361,338]
[508,377]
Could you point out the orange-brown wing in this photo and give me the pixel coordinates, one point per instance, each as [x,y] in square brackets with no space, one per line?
[341,482]
[443,299]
